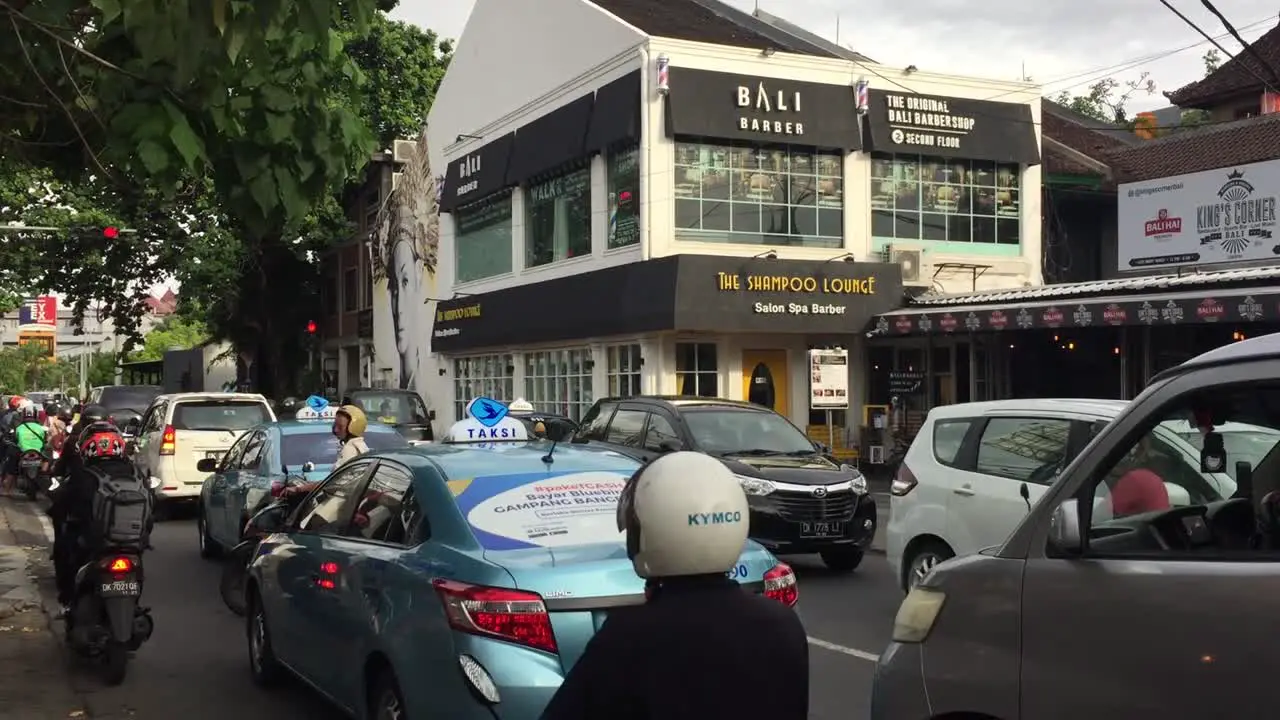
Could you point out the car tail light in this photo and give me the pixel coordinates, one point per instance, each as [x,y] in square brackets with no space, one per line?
[512,615]
[168,440]
[780,584]
[119,565]
[904,481]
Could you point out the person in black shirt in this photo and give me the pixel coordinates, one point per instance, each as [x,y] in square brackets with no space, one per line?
[701,646]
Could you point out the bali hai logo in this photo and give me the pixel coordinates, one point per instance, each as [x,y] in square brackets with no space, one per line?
[487,411]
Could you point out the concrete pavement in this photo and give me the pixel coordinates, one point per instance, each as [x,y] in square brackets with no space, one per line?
[195,666]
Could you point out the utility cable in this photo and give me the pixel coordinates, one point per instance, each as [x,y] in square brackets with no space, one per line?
[1216,44]
[1249,48]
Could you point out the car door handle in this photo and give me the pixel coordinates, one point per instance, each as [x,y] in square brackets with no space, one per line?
[965,490]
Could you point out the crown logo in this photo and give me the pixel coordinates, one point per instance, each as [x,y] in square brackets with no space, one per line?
[1235,175]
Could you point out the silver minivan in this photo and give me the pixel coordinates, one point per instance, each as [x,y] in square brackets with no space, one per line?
[1109,600]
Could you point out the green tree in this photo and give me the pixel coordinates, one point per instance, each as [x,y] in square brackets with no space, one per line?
[174,333]
[1212,61]
[1193,118]
[1108,98]
[402,65]
[102,369]
[24,368]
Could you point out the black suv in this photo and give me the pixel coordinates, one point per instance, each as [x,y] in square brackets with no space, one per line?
[802,501]
[123,403]
[401,409]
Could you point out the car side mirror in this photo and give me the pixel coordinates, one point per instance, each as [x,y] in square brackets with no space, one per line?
[207,465]
[560,429]
[822,448]
[270,520]
[670,446]
[1064,527]
[431,415]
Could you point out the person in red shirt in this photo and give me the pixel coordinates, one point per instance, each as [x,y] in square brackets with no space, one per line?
[1139,490]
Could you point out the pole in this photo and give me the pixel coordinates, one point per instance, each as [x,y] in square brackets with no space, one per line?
[831,432]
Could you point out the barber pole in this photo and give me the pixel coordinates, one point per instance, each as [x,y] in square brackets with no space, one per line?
[864,95]
[664,74]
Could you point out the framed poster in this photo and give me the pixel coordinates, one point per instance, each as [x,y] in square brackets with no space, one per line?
[829,379]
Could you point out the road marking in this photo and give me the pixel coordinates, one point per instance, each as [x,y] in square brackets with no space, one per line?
[851,652]
[46,525]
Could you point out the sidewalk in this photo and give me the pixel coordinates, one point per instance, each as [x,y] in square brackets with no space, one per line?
[34,670]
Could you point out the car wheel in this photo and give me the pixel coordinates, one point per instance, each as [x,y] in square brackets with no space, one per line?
[842,559]
[264,667]
[209,547]
[925,558]
[385,700]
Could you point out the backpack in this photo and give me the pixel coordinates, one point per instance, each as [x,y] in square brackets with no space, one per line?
[121,515]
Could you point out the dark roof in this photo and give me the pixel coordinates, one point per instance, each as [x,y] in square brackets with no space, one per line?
[1084,135]
[796,31]
[1197,149]
[1235,77]
[1057,162]
[707,21]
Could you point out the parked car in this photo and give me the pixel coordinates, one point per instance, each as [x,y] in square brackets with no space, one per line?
[123,403]
[802,501]
[263,457]
[403,410]
[179,430]
[975,469]
[422,583]
[1150,612]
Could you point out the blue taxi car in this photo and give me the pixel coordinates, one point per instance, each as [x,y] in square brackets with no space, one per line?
[260,461]
[458,580]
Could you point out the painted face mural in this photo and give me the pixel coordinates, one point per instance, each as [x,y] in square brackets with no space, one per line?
[405,252]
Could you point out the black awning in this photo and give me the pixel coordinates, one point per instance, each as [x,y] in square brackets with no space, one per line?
[555,139]
[616,116]
[952,127]
[702,103]
[1207,305]
[477,174]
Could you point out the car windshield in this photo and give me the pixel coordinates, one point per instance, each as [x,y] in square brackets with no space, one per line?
[39,398]
[533,510]
[321,448]
[1242,441]
[219,414]
[734,431]
[130,397]
[392,408]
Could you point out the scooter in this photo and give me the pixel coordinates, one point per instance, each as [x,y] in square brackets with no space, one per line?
[31,467]
[105,621]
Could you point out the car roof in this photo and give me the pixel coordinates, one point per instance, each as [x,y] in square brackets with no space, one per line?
[380,391]
[687,401]
[211,396]
[1099,408]
[307,427]
[457,461]
[1257,348]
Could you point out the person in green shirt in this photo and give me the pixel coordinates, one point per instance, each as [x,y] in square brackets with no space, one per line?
[30,433]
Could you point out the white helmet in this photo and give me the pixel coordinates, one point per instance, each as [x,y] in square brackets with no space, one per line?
[684,514]
[520,407]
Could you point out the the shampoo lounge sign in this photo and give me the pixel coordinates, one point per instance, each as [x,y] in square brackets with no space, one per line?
[833,288]
[454,315]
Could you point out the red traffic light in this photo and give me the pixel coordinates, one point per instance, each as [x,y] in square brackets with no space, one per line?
[311,327]
[111,232]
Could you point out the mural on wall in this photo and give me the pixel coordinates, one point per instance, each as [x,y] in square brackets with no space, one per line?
[404,258]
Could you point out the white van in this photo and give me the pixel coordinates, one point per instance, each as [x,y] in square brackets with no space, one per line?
[975,469]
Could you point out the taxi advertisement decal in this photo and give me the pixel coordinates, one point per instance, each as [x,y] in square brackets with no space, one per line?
[529,510]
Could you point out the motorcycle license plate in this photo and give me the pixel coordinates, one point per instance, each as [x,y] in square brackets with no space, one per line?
[821,529]
[31,463]
[120,588]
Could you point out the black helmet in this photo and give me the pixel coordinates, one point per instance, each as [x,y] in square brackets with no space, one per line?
[51,408]
[90,414]
[64,413]
[290,404]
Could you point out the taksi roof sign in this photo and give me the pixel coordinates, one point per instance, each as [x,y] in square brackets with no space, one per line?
[487,421]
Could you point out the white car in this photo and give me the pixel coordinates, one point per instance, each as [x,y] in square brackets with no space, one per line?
[178,431]
[975,469]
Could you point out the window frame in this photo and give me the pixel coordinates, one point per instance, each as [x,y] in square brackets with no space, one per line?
[532,222]
[698,372]
[959,461]
[407,496]
[495,379]
[912,164]
[648,429]
[257,443]
[364,466]
[500,210]
[618,374]
[351,295]
[1066,445]
[232,455]
[644,426]
[543,384]
[614,183]
[585,427]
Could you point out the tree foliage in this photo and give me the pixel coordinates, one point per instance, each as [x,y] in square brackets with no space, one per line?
[1107,99]
[24,368]
[174,333]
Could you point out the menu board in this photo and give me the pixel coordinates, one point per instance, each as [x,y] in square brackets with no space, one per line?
[829,379]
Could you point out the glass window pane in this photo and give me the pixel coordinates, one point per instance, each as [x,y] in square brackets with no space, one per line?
[624,196]
[483,241]
[558,218]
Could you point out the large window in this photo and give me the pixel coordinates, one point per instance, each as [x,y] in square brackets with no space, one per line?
[623,371]
[696,370]
[925,198]
[559,218]
[624,196]
[559,381]
[483,375]
[759,195]
[483,244]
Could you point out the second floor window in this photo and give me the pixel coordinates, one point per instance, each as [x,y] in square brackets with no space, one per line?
[759,195]
[924,198]
[624,196]
[483,239]
[350,289]
[558,212]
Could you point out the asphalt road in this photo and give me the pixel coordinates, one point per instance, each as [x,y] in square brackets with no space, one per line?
[195,666]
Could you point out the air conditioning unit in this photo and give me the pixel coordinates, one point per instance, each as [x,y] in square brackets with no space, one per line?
[908,258]
[404,151]
[395,180]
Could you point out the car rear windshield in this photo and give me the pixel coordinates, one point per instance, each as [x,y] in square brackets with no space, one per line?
[532,510]
[322,448]
[728,431]
[132,397]
[219,414]
[392,408]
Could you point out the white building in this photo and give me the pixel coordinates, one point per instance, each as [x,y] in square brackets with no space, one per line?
[674,197]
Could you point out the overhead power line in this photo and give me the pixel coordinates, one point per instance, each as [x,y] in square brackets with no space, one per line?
[1248,47]
[1266,83]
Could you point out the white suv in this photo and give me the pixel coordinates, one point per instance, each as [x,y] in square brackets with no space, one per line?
[177,431]
[975,469]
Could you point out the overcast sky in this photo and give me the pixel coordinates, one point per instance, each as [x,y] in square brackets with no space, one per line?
[1065,44]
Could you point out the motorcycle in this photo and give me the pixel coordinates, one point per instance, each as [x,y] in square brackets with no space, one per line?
[31,468]
[235,567]
[105,621]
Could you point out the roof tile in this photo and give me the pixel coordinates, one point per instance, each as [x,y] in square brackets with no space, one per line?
[1236,76]
[1199,149]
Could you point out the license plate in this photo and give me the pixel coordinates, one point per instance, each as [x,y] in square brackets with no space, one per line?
[821,529]
[213,454]
[31,463]
[120,588]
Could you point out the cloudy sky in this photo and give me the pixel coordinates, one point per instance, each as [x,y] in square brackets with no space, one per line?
[1064,44]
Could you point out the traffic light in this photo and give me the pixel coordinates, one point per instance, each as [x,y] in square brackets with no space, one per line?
[111,232]
[311,327]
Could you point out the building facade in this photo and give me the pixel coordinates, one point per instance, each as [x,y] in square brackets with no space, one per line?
[683,199]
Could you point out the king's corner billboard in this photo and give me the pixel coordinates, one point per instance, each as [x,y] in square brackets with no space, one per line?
[1204,218]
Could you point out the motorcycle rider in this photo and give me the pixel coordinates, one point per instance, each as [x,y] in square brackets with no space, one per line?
[349,425]
[700,637]
[30,434]
[8,447]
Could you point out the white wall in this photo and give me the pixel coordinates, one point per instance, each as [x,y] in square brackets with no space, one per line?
[219,367]
[659,215]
